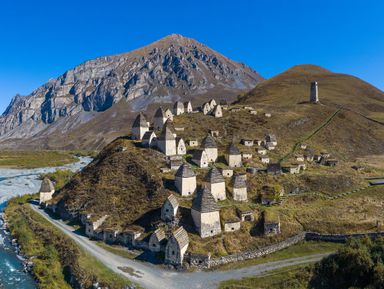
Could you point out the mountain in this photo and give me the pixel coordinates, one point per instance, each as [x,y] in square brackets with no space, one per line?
[173,68]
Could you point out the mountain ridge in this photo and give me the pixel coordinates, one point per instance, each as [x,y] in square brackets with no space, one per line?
[172,68]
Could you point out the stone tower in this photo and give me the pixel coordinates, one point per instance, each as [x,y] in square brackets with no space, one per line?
[314,96]
[166,142]
[206,214]
[185,180]
[140,127]
[46,190]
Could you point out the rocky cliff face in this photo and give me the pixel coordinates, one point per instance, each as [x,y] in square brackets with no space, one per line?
[174,67]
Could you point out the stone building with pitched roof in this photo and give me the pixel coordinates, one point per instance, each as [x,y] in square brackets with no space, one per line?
[185,180]
[159,119]
[271,138]
[168,114]
[232,225]
[169,208]
[271,223]
[176,247]
[46,191]
[216,184]
[233,157]
[93,224]
[217,111]
[206,214]
[166,142]
[210,147]
[178,108]
[139,127]
[200,158]
[240,187]
[212,103]
[157,240]
[181,149]
[188,107]
[206,108]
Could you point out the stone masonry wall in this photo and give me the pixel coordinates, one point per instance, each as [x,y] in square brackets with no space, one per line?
[308,236]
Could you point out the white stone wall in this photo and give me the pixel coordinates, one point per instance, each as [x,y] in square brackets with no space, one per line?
[240,194]
[207,224]
[44,197]
[188,108]
[138,132]
[227,173]
[181,148]
[234,161]
[185,186]
[210,224]
[232,227]
[218,191]
[167,147]
[211,154]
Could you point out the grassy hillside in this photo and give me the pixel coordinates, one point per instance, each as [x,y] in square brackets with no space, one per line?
[352,130]
[125,182]
[122,182]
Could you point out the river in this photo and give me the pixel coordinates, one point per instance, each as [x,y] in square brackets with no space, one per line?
[15,182]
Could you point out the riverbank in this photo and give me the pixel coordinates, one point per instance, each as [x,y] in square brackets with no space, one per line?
[55,260]
[13,267]
[16,182]
[39,159]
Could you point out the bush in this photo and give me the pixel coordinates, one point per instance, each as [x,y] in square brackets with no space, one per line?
[357,265]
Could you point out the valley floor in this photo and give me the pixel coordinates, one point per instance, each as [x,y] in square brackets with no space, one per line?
[151,276]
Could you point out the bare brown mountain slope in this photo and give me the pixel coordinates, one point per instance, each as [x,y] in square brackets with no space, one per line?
[173,68]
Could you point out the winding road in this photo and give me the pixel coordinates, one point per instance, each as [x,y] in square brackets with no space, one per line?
[150,276]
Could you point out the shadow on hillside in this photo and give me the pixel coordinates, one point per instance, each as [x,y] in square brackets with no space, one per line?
[149,220]
[257,230]
[186,220]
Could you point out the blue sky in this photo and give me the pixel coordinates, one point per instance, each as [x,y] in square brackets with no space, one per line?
[42,39]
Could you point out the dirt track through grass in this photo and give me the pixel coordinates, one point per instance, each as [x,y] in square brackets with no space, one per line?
[312,134]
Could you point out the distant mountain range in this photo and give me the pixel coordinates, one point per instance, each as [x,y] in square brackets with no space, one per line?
[94,102]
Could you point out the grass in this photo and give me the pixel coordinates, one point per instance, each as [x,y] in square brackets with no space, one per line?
[35,159]
[59,177]
[304,248]
[294,277]
[58,261]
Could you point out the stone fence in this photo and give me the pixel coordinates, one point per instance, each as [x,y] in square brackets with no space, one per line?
[251,254]
[205,263]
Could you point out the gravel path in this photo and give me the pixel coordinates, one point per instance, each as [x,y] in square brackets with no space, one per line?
[150,276]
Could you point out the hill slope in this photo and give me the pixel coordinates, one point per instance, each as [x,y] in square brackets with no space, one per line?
[355,107]
[121,182]
[173,68]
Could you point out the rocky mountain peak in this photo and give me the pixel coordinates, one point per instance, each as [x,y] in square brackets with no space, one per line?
[172,68]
